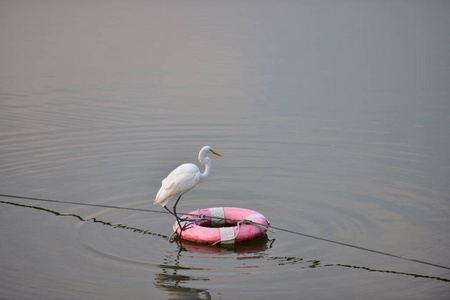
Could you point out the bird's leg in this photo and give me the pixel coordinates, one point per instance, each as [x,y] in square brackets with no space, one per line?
[175,208]
[178,219]
[174,214]
[186,225]
[171,212]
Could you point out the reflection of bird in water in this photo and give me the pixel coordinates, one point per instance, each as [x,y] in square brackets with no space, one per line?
[177,279]
[182,180]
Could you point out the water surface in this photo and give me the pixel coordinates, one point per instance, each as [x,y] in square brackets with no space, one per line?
[332,119]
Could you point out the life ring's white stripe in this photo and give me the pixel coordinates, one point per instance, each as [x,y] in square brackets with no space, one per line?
[227,235]
[217,212]
[253,216]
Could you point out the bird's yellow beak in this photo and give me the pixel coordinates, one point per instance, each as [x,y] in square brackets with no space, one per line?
[214,152]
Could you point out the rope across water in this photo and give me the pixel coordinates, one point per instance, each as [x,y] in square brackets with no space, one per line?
[243,222]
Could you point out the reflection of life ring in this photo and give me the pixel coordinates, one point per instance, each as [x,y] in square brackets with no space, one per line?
[257,245]
[206,229]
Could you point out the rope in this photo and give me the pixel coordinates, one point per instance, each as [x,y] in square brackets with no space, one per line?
[83,204]
[244,221]
[172,238]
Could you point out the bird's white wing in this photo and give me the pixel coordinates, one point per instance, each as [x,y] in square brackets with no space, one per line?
[178,182]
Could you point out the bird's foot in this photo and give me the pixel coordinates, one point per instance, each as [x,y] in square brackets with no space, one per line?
[185,226]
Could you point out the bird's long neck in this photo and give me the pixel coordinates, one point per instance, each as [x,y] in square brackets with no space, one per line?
[207,162]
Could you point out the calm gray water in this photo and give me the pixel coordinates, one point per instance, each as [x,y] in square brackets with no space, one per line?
[332,118]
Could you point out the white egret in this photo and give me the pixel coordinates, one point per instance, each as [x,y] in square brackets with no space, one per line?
[183,179]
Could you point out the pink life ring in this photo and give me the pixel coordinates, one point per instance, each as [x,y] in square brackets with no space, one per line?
[207,230]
